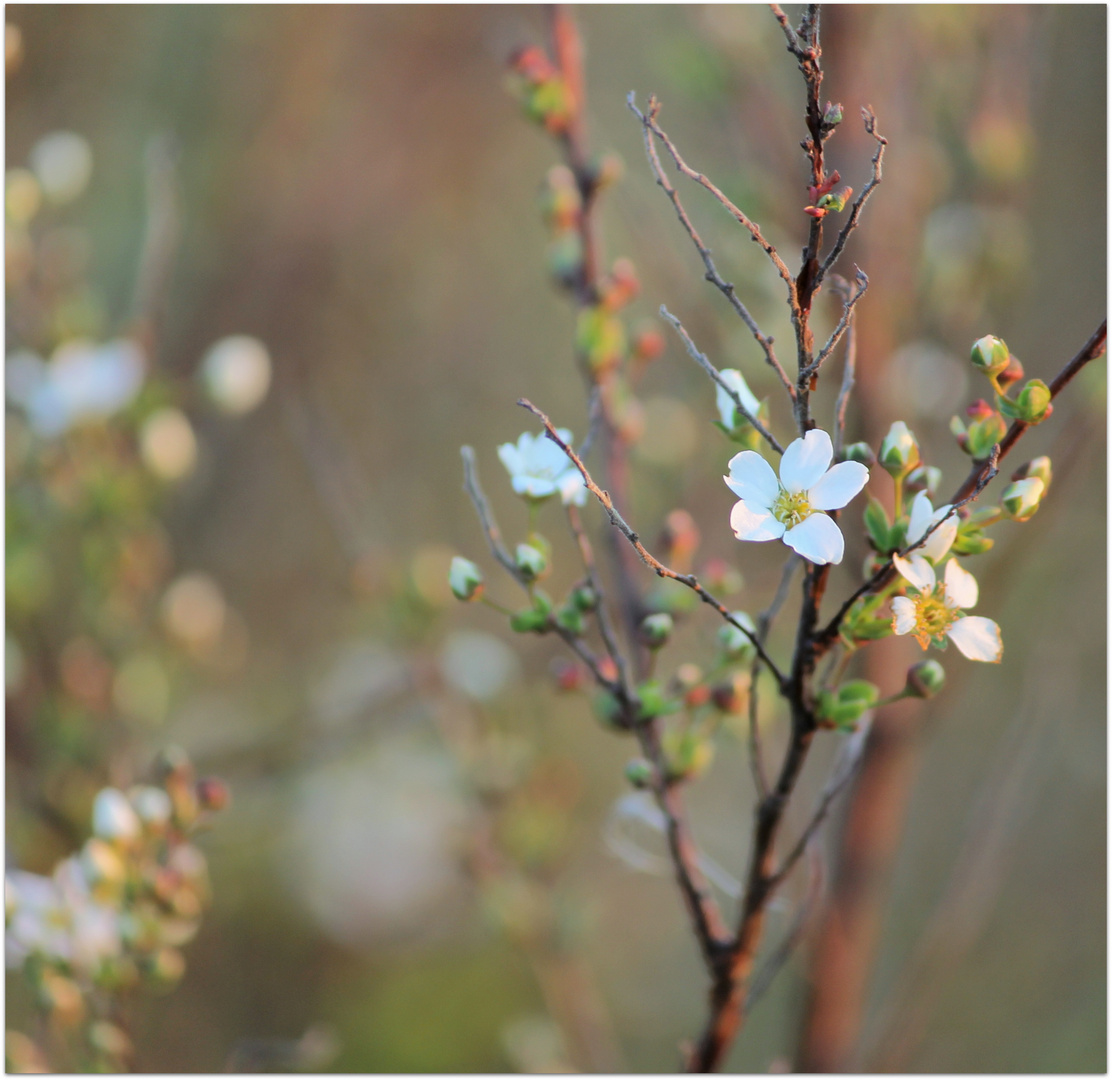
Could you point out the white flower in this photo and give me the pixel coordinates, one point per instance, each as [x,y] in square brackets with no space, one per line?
[538,468]
[114,818]
[727,409]
[936,611]
[922,518]
[790,509]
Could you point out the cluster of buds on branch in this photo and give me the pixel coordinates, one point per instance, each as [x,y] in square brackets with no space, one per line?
[113,918]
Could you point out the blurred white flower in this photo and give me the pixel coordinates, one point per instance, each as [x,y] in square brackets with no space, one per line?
[478,664]
[114,818]
[82,381]
[538,468]
[167,444]
[63,162]
[236,373]
[373,842]
[193,610]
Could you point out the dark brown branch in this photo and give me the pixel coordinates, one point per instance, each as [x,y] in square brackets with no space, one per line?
[712,275]
[701,359]
[647,558]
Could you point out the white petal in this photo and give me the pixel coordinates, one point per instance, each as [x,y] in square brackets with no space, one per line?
[977,638]
[806,460]
[726,407]
[510,457]
[754,523]
[904,611]
[921,519]
[817,539]
[536,487]
[942,539]
[838,485]
[752,479]
[916,570]
[572,488]
[959,585]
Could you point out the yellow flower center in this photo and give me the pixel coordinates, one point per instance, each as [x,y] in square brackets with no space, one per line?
[791,509]
[933,616]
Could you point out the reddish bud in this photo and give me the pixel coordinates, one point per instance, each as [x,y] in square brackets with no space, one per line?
[533,64]
[608,668]
[1012,373]
[680,537]
[568,676]
[647,345]
[697,695]
[979,410]
[213,794]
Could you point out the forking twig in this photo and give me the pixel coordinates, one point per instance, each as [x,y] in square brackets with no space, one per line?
[647,558]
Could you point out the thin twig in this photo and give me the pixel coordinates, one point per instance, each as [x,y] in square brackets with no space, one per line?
[712,275]
[752,227]
[859,202]
[647,558]
[701,359]
[848,304]
[849,372]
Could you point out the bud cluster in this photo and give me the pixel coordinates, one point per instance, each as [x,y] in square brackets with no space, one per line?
[114,916]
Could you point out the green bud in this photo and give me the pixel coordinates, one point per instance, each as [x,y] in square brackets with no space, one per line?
[654,701]
[639,773]
[1039,467]
[990,355]
[983,435]
[465,579]
[878,526]
[584,599]
[1021,498]
[655,630]
[534,619]
[570,618]
[832,114]
[687,753]
[530,561]
[925,679]
[608,710]
[843,709]
[859,451]
[734,642]
[899,452]
[924,478]
[1033,402]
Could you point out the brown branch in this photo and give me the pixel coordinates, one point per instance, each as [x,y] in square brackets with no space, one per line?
[712,275]
[647,558]
[701,359]
[859,202]
[751,226]
[849,371]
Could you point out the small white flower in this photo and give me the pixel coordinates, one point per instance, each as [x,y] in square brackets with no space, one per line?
[936,611]
[790,508]
[538,468]
[922,518]
[727,409]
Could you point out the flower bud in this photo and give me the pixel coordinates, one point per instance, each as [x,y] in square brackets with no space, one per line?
[925,679]
[568,676]
[732,697]
[167,966]
[720,576]
[899,452]
[101,866]
[530,562]
[608,710]
[570,618]
[1033,402]
[832,114]
[1011,374]
[735,643]
[990,355]
[639,773]
[859,451]
[109,1040]
[1039,467]
[687,754]
[584,599]
[655,630]
[924,478]
[213,794]
[687,676]
[1021,498]
[113,816]
[648,344]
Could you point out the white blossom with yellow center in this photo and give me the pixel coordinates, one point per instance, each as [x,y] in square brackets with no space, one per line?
[792,507]
[935,611]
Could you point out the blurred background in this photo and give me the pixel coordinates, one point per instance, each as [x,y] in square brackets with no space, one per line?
[267,270]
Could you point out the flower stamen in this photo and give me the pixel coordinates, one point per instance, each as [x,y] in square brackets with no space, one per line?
[791,509]
[933,616]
